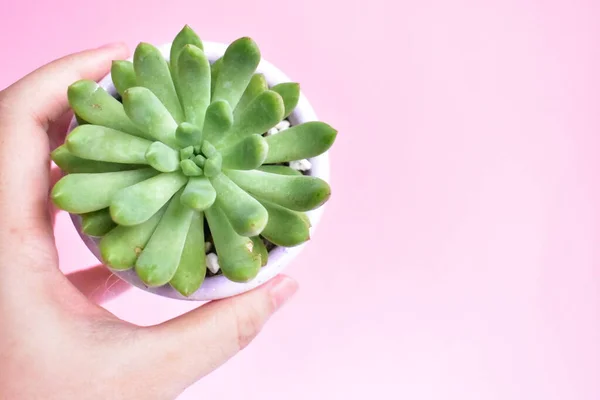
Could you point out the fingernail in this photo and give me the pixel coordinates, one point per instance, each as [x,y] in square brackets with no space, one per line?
[282,289]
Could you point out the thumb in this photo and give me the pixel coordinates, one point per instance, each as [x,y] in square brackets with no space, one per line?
[194,344]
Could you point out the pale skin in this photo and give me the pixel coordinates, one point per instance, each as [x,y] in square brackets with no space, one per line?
[55,342]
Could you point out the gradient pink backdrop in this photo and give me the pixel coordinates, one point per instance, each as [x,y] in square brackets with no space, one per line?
[458,257]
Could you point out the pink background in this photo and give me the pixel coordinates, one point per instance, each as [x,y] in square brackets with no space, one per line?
[458,257]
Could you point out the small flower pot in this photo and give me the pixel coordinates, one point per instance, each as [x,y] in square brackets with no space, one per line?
[218,286]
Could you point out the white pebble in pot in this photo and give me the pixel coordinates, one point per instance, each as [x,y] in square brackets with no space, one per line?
[283,125]
[212,263]
[300,165]
[272,131]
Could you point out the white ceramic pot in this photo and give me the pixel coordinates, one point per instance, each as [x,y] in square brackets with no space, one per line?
[218,287]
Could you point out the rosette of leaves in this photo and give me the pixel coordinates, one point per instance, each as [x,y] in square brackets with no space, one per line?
[183,143]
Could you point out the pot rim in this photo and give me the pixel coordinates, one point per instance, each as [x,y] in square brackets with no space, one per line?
[218,287]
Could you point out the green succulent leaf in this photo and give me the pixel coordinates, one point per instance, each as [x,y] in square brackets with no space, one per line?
[200,160]
[152,72]
[240,60]
[214,73]
[219,120]
[136,204]
[158,262]
[298,193]
[92,103]
[121,246]
[212,166]
[198,194]
[188,135]
[99,143]
[149,114]
[191,270]
[193,83]
[279,169]
[285,228]
[162,158]
[263,113]
[306,140]
[245,214]
[189,168]
[260,250]
[186,152]
[123,75]
[208,149]
[236,257]
[97,223]
[73,164]
[290,93]
[257,85]
[248,153]
[80,121]
[186,36]
[87,192]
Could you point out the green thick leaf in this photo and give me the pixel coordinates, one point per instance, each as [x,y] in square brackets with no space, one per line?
[263,113]
[306,140]
[186,36]
[236,257]
[285,228]
[199,194]
[290,92]
[257,85]
[136,204]
[152,71]
[162,158]
[193,84]
[214,73]
[87,192]
[245,214]
[158,262]
[94,142]
[218,121]
[186,152]
[73,164]
[192,266]
[261,250]
[92,103]
[189,168]
[80,121]
[188,134]
[149,114]
[97,223]
[122,75]
[121,246]
[200,160]
[240,60]
[212,166]
[298,193]
[248,153]
[279,169]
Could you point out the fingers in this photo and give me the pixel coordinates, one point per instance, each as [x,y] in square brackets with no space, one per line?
[26,109]
[98,284]
[196,343]
[42,94]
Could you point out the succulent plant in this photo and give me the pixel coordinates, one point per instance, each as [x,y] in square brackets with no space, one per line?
[184,143]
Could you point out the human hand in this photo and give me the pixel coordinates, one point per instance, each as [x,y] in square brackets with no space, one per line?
[54,342]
